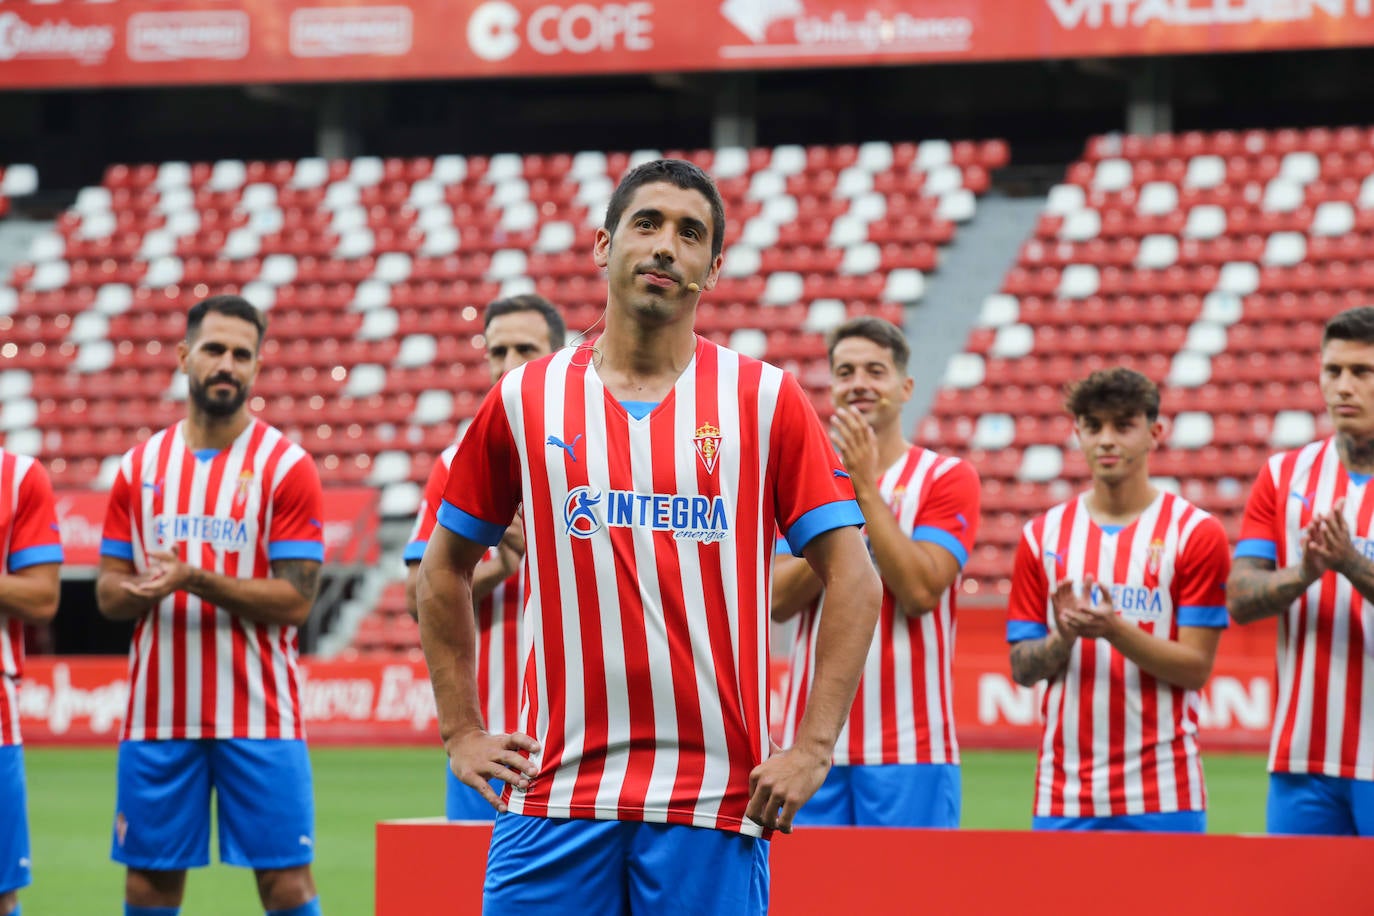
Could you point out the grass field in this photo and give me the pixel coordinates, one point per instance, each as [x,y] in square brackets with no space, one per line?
[71,799]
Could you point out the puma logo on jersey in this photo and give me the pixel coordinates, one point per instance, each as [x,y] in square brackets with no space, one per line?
[306,841]
[1305,500]
[570,448]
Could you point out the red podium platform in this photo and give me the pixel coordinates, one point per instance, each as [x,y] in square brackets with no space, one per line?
[428,867]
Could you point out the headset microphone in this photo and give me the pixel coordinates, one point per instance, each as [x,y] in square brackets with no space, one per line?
[693,288]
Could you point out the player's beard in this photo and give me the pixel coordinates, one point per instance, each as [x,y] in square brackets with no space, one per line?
[218,407]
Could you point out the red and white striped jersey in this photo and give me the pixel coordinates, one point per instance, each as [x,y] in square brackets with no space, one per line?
[498,614]
[1116,740]
[649,545]
[904,710]
[1324,715]
[195,670]
[28,526]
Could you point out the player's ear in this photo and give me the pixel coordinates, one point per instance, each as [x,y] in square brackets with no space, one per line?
[183,351]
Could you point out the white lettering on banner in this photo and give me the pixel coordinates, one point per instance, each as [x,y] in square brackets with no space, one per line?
[837,33]
[1000,699]
[101,708]
[1227,701]
[60,40]
[494,29]
[356,30]
[188,35]
[1094,14]
[404,696]
[79,532]
[326,699]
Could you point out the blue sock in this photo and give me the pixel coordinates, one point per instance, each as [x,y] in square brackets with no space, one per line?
[309,908]
[131,910]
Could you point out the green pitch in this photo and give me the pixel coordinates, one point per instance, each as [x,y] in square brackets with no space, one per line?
[71,800]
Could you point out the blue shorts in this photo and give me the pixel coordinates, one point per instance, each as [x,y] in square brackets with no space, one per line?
[540,866]
[263,800]
[464,803]
[1166,822]
[14,822]
[1316,805]
[896,795]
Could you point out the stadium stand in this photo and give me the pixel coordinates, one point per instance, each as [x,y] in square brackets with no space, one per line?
[375,272]
[18,180]
[1208,261]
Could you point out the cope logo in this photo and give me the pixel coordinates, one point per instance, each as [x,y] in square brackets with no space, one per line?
[497,29]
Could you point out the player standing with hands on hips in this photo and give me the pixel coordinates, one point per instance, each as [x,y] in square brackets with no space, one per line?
[517,329]
[1306,556]
[655,470]
[213,542]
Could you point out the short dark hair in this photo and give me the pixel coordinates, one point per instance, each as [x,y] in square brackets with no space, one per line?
[233,306]
[1117,392]
[529,302]
[882,332]
[1355,324]
[675,172]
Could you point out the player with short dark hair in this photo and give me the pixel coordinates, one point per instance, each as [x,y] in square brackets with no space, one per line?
[897,758]
[1118,601]
[1304,556]
[30,564]
[518,329]
[654,470]
[213,543]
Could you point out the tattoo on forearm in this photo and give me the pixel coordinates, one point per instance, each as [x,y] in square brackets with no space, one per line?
[304,575]
[1037,660]
[1256,590]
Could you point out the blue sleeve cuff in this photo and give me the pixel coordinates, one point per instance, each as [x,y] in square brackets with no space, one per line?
[35,556]
[120,550]
[939,536]
[1262,548]
[1214,616]
[414,551]
[470,526]
[782,546]
[296,550]
[839,514]
[1022,630]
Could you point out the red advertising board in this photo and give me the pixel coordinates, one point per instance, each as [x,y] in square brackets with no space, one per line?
[436,867]
[388,701]
[350,522]
[165,42]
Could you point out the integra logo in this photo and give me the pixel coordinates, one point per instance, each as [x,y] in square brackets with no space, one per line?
[224,533]
[697,518]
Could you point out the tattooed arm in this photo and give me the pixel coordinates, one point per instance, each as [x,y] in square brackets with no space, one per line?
[285,598]
[1256,590]
[1043,659]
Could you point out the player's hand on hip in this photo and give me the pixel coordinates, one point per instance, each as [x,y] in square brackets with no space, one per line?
[784,782]
[477,757]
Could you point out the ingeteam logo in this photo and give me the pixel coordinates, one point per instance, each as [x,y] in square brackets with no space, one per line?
[691,518]
[189,35]
[786,28]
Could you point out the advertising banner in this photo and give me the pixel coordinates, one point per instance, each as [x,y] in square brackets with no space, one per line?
[172,42]
[387,700]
